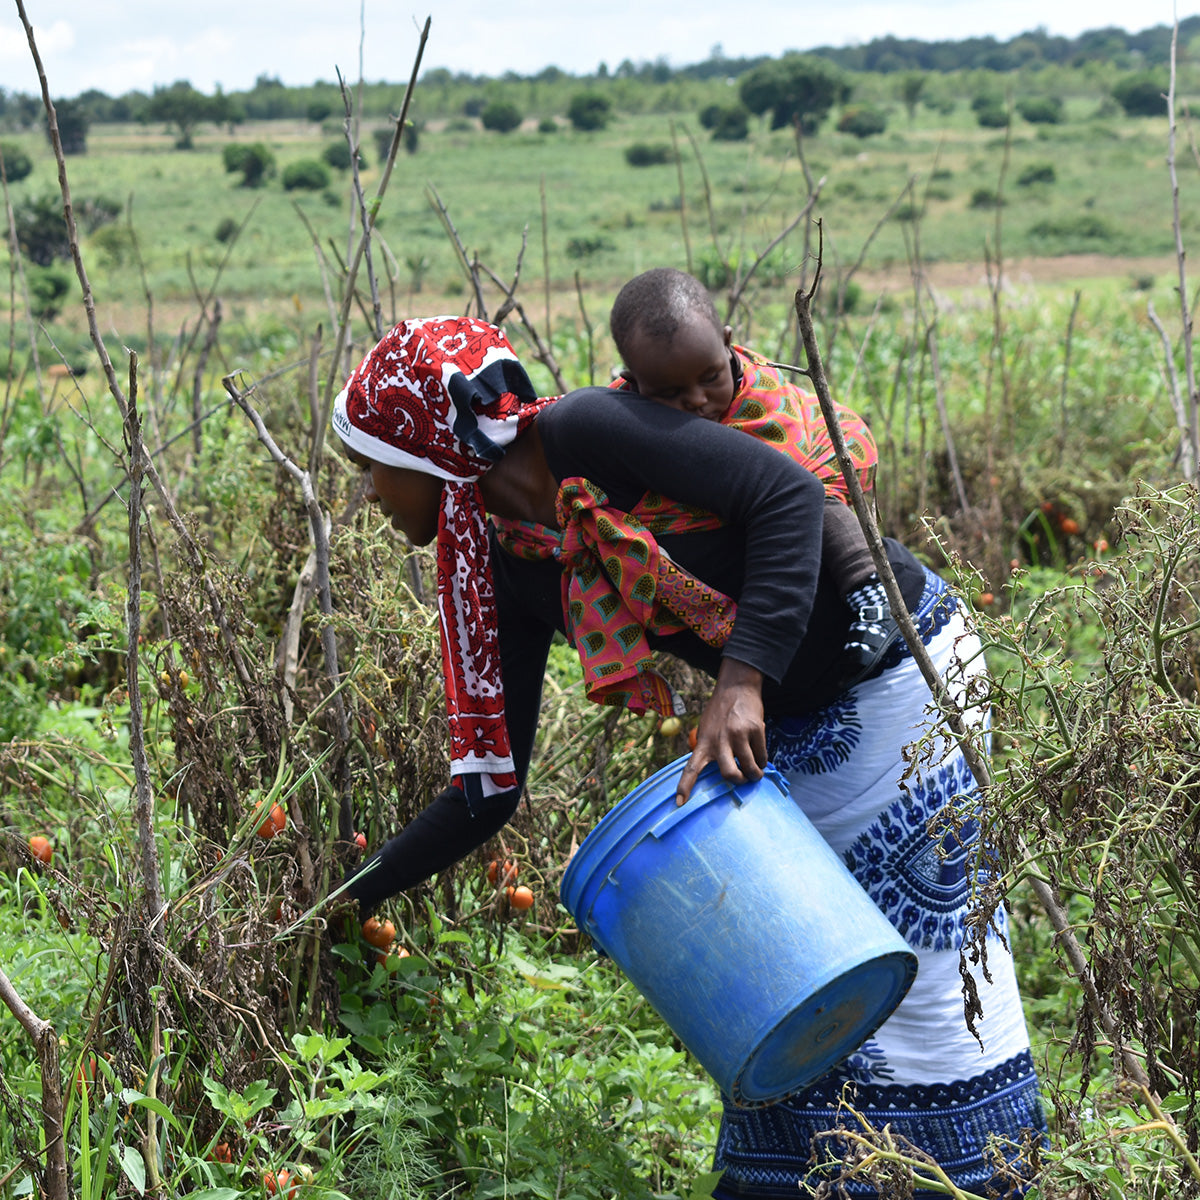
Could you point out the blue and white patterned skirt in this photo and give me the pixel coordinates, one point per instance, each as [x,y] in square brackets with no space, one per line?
[923,1073]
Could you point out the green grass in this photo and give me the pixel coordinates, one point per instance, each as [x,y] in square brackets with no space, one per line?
[1111,197]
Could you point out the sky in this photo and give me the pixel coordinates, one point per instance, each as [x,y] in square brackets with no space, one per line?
[123,45]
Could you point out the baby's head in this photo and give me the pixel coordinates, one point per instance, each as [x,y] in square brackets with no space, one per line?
[673,344]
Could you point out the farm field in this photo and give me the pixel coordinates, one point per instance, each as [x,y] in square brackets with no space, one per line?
[1003,307]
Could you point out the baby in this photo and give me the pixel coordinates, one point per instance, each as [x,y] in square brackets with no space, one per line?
[677,352]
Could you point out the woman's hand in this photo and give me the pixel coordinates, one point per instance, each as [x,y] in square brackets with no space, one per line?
[731,732]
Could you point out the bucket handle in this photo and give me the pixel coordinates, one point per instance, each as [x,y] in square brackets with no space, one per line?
[738,792]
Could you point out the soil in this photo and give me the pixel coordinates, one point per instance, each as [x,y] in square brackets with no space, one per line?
[1062,270]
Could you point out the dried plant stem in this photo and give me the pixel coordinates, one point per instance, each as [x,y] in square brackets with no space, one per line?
[1045,892]
[1186,411]
[55,1180]
[143,792]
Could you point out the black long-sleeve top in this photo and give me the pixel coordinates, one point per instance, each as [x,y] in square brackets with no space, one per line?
[791,622]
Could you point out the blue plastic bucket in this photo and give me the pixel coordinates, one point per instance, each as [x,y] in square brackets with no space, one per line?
[743,929]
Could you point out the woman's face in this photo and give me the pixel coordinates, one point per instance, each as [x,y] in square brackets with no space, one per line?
[411,499]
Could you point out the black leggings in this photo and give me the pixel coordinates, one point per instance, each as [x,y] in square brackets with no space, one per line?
[434,839]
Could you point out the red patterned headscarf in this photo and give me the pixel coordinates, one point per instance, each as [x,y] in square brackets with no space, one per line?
[446,396]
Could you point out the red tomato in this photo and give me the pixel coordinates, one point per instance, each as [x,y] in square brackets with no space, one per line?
[41,849]
[1069,526]
[360,840]
[985,600]
[281,1183]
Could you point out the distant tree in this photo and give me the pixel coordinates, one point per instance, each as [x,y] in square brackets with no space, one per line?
[41,229]
[73,125]
[473,106]
[255,163]
[709,115]
[184,107]
[862,120]
[909,89]
[17,164]
[796,87]
[1041,110]
[589,110]
[1141,95]
[48,287]
[501,116]
[309,175]
[318,110]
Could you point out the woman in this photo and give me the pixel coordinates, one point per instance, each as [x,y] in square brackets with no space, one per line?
[633,527]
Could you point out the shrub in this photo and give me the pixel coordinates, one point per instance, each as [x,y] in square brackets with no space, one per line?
[1039,172]
[983,197]
[862,121]
[589,111]
[645,154]
[733,124]
[17,164]
[308,175]
[710,115]
[993,117]
[318,110]
[585,247]
[547,125]
[474,105]
[501,116]
[254,162]
[1041,110]
[337,155]
[1073,227]
[1142,95]
[226,228]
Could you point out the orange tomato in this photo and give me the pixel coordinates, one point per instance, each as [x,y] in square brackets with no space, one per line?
[520,898]
[692,737]
[379,934]
[502,874]
[85,1074]
[221,1153]
[1101,545]
[985,600]
[274,822]
[1069,525]
[41,849]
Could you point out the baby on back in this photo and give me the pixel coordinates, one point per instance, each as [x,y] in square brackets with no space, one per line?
[677,352]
